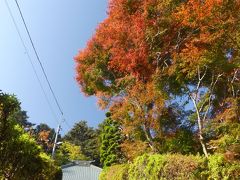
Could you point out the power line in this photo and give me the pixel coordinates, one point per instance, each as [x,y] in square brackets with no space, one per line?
[40,63]
[31,62]
[67,124]
[38,58]
[42,68]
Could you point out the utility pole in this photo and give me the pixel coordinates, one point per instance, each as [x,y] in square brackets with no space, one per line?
[55,141]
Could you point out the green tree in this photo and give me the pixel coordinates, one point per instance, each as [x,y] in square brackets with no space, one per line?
[224,131]
[85,137]
[22,119]
[111,138]
[68,152]
[20,157]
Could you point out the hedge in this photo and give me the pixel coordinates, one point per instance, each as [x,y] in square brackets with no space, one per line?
[174,167]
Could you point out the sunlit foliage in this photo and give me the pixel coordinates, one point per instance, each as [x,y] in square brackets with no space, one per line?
[163,66]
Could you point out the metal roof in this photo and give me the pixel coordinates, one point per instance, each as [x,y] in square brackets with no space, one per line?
[81,170]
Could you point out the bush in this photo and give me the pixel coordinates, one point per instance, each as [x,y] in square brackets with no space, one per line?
[116,172]
[50,171]
[219,168]
[174,167]
[151,167]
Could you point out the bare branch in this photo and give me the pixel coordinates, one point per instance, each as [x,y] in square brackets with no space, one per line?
[232,81]
[210,96]
[200,78]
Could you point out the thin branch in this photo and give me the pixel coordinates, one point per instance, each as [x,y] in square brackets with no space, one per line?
[232,81]
[210,97]
[200,78]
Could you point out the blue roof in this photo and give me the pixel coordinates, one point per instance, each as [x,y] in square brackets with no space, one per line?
[81,170]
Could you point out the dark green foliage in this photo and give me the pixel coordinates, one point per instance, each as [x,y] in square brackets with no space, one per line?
[110,150]
[85,137]
[182,142]
[22,119]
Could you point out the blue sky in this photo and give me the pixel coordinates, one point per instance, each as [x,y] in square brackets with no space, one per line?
[59,30]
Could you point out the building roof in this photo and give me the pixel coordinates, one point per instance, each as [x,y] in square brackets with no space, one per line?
[81,170]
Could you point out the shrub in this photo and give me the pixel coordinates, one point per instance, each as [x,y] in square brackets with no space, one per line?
[174,167]
[219,168]
[151,167]
[116,172]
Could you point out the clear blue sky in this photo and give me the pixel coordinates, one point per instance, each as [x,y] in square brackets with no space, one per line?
[59,30]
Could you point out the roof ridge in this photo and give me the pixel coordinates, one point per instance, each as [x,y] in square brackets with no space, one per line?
[80,163]
[96,167]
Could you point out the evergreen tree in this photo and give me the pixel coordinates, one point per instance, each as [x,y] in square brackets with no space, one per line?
[110,150]
[22,120]
[85,137]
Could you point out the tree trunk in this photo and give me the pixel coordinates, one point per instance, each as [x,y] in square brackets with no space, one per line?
[199,121]
[149,138]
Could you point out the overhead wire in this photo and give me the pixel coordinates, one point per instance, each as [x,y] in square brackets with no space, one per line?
[40,63]
[31,62]
[38,58]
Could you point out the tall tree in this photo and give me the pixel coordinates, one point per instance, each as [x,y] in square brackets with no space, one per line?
[22,119]
[209,58]
[85,137]
[148,55]
[119,63]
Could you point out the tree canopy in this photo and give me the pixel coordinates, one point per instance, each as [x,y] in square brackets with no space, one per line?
[20,156]
[166,66]
[87,138]
[68,152]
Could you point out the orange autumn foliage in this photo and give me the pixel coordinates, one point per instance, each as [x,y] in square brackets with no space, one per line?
[210,25]
[133,149]
[44,136]
[142,105]
[147,51]
[127,36]
[139,37]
